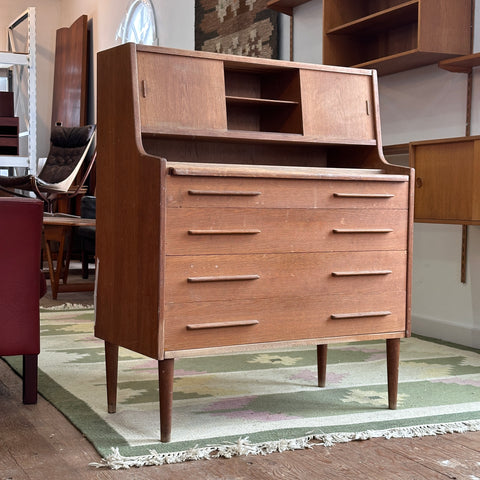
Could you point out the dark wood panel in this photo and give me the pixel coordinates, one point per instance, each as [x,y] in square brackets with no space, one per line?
[70,83]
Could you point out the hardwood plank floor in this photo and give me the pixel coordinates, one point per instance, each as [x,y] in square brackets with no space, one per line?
[37,443]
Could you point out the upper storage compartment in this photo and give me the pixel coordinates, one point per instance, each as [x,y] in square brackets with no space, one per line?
[185,94]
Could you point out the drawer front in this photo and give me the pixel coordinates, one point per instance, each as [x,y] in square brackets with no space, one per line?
[214,324]
[232,277]
[284,193]
[235,230]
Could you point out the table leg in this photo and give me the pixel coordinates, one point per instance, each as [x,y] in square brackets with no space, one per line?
[54,234]
[61,234]
[322,364]
[111,367]
[165,387]
[393,362]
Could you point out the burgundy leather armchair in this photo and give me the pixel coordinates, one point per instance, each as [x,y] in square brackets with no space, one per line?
[20,284]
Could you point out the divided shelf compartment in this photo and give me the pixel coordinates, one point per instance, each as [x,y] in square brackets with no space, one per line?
[220,98]
[264,100]
[394,35]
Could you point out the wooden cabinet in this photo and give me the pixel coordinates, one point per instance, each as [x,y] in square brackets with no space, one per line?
[236,194]
[395,35]
[447,185]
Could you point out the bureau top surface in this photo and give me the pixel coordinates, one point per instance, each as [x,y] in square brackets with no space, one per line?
[249,63]
[273,171]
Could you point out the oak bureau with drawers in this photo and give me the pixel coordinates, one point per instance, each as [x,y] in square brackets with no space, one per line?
[244,204]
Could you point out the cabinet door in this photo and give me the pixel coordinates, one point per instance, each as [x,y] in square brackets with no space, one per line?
[446,176]
[180,93]
[338,106]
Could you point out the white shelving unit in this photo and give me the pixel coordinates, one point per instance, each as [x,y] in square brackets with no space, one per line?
[21,66]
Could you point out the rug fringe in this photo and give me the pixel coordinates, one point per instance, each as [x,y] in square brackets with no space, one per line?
[67,306]
[243,446]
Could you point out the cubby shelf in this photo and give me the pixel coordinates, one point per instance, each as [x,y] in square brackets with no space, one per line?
[463,64]
[380,21]
[267,102]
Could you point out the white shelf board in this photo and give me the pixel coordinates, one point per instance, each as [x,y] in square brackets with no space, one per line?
[13,161]
[9,59]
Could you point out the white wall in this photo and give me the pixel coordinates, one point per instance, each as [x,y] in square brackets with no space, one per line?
[175,20]
[307,32]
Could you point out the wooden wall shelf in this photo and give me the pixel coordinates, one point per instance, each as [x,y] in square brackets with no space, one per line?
[285,6]
[395,35]
[463,64]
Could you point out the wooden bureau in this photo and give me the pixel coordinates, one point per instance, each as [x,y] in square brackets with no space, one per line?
[244,204]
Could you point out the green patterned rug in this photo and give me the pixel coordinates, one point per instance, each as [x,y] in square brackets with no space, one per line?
[253,403]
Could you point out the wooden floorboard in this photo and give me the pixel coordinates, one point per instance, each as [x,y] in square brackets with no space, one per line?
[37,442]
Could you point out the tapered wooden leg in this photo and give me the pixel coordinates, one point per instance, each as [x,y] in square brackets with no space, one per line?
[30,378]
[165,387]
[322,364]
[393,362]
[111,367]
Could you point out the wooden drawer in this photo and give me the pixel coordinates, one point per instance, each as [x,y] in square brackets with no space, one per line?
[214,324]
[223,277]
[241,230]
[284,193]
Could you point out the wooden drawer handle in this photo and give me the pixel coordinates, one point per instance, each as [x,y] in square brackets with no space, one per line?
[251,231]
[340,316]
[224,193]
[224,278]
[361,272]
[363,195]
[362,230]
[237,323]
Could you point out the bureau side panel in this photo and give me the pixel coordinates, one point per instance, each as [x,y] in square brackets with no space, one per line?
[129,202]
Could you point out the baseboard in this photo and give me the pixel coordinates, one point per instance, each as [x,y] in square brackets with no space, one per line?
[448,331]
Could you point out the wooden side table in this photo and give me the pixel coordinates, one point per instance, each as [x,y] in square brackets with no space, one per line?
[58,229]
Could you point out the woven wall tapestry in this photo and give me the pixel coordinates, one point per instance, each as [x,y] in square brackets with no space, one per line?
[239,27]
